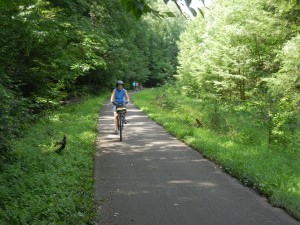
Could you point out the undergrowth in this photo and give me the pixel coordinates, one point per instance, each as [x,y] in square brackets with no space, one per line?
[270,169]
[44,187]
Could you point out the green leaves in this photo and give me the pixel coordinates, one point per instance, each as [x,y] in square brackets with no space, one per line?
[140,7]
[136,7]
[142,50]
[193,11]
[188,2]
[170,14]
[286,82]
[201,12]
[237,55]
[53,41]
[229,48]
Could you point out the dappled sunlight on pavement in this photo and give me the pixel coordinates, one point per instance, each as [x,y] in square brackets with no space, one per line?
[151,178]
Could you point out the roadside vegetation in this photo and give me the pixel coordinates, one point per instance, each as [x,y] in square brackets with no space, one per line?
[238,146]
[43,187]
[236,94]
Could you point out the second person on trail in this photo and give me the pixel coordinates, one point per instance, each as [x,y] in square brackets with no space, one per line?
[117,96]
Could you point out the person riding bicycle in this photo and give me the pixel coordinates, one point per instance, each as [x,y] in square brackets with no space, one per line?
[117,96]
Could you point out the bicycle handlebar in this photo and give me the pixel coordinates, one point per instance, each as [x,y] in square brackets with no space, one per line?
[118,104]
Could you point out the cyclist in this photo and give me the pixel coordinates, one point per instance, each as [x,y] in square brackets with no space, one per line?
[117,96]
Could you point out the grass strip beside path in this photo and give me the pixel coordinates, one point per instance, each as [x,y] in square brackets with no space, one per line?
[275,174]
[44,187]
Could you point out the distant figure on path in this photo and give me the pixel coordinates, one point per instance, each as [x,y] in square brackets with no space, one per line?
[133,85]
[136,86]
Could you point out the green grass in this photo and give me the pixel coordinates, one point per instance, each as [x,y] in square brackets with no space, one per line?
[273,172]
[43,187]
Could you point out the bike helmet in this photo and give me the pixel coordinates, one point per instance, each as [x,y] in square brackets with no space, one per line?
[119,82]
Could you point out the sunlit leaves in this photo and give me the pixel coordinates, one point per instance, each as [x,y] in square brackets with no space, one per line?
[287,81]
[193,11]
[136,7]
[170,14]
[230,47]
[140,7]
[242,53]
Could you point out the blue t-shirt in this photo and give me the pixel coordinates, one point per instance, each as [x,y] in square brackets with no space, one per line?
[120,95]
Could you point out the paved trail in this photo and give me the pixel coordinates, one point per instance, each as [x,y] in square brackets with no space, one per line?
[153,179]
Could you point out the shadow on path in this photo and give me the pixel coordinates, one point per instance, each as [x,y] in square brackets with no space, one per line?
[150,178]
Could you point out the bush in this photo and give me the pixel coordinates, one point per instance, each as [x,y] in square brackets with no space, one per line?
[14,114]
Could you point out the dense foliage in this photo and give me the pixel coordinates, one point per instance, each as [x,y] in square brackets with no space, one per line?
[59,50]
[142,7]
[242,61]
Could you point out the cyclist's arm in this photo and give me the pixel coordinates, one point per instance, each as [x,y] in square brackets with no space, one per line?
[126,96]
[113,96]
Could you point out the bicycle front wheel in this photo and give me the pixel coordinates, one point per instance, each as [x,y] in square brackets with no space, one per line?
[120,125]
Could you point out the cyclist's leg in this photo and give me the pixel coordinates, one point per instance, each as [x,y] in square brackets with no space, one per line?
[124,118]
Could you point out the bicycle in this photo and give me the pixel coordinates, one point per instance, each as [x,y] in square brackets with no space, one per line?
[121,110]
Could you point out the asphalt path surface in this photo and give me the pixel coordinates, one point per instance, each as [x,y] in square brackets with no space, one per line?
[151,178]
